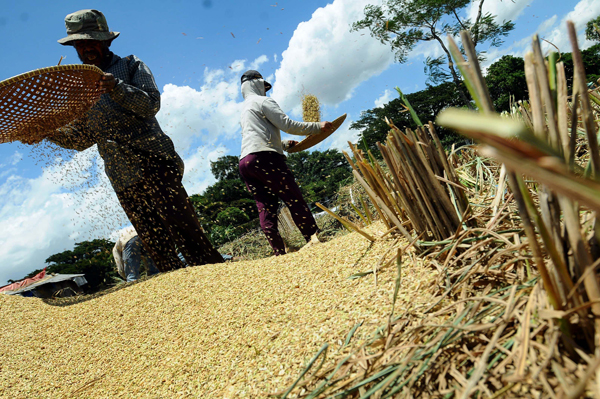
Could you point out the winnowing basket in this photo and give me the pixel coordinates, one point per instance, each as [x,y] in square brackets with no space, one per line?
[36,103]
[315,139]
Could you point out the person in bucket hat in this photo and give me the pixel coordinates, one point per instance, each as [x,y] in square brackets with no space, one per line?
[139,158]
[262,163]
[87,25]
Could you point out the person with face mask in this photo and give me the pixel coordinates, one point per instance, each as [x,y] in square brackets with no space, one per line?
[139,158]
[262,163]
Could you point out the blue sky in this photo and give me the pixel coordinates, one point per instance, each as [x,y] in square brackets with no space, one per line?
[197,50]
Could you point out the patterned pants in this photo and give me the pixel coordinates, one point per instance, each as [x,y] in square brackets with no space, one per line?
[164,218]
[268,178]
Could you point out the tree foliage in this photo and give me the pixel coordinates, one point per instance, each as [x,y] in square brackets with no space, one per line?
[404,23]
[227,210]
[505,79]
[319,173]
[426,103]
[592,29]
[93,258]
[226,167]
[591,63]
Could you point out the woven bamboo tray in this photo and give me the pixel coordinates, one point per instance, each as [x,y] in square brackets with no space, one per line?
[317,138]
[36,103]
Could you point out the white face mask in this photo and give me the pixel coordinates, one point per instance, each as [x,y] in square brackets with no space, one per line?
[256,86]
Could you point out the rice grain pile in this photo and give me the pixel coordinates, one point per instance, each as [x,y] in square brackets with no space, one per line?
[243,329]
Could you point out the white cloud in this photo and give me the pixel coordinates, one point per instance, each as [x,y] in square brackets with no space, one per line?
[547,25]
[325,59]
[259,61]
[15,158]
[40,218]
[554,31]
[198,175]
[583,11]
[385,98]
[505,10]
[339,140]
[208,114]
[12,160]
[237,66]
[72,200]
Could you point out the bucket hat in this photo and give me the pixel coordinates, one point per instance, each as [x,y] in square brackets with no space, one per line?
[251,75]
[86,25]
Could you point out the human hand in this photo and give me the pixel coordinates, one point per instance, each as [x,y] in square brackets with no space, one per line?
[31,140]
[291,143]
[326,127]
[38,138]
[107,83]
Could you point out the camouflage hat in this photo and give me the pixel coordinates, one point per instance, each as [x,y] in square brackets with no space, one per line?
[86,25]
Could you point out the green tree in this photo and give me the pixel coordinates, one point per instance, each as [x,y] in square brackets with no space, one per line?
[226,167]
[592,29]
[591,64]
[232,216]
[226,206]
[505,79]
[319,173]
[227,191]
[227,210]
[404,23]
[92,258]
[426,103]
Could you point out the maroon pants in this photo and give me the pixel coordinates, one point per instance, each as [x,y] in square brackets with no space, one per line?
[268,178]
[164,218]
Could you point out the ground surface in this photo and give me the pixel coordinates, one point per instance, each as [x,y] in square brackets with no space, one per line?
[234,330]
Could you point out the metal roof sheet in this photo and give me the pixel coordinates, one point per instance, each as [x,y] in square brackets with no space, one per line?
[52,279]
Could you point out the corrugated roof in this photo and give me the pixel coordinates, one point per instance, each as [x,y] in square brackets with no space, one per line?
[52,279]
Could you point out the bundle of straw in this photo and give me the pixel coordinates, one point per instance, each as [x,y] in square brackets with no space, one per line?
[421,185]
[512,330]
[544,149]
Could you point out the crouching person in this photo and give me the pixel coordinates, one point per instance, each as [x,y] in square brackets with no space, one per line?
[128,252]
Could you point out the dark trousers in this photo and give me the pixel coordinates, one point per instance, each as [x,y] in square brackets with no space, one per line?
[163,216]
[268,178]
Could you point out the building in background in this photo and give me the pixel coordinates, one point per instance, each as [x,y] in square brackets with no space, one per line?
[47,286]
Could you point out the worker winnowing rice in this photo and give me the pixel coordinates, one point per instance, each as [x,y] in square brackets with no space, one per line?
[262,163]
[140,159]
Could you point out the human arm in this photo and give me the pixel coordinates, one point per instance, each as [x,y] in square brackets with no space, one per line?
[140,95]
[73,136]
[289,144]
[281,121]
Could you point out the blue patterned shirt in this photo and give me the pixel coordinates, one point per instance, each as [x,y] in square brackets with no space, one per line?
[124,125]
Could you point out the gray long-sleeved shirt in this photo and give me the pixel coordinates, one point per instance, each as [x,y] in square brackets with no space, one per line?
[123,124]
[262,120]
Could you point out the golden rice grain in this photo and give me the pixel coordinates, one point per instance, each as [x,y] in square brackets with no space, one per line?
[234,330]
[311,108]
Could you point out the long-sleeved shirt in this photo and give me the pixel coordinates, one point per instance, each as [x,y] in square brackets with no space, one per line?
[262,120]
[123,125]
